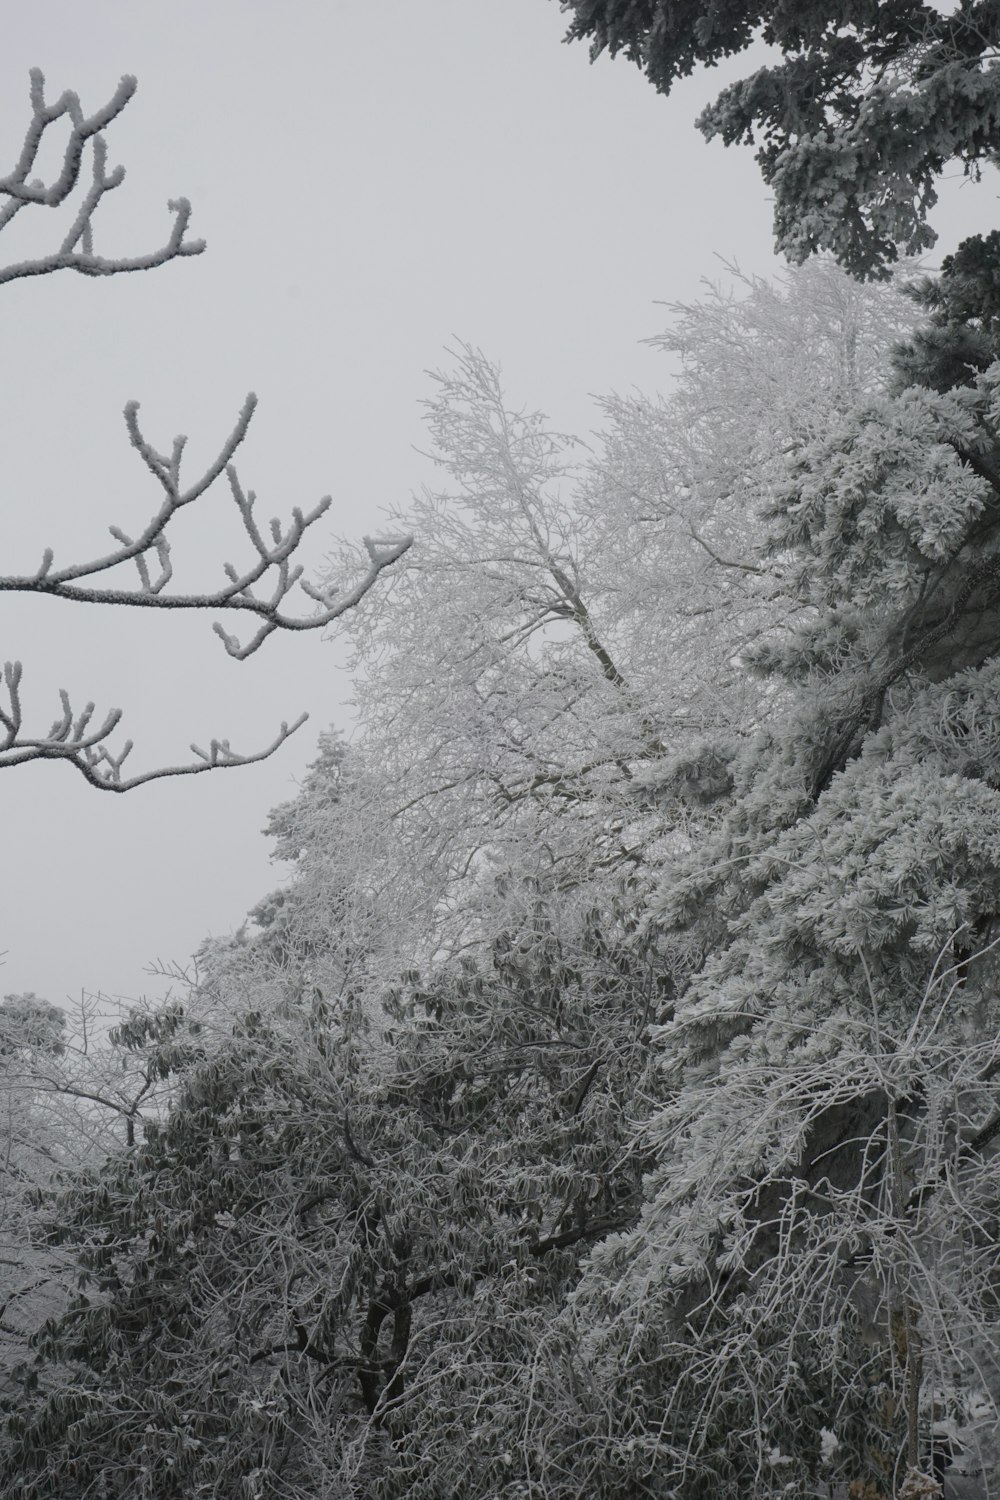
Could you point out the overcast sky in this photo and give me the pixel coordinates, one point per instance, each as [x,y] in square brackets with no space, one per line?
[373,181]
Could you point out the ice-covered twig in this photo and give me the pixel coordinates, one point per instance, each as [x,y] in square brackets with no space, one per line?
[238,593]
[76,251]
[71,739]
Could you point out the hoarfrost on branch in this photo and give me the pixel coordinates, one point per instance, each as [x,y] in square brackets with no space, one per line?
[71,737]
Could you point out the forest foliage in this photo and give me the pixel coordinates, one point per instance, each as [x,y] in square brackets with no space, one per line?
[606,1101]
[856,112]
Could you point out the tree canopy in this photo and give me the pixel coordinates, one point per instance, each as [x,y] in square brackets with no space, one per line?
[607,1102]
[76,738]
[853,123]
[566,1065]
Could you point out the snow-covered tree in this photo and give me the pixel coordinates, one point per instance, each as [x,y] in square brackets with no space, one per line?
[608,1103]
[407,1099]
[865,107]
[569,629]
[335,1236]
[816,1251]
[66,1103]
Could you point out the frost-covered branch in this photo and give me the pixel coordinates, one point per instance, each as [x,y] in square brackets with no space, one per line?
[76,250]
[270,566]
[71,739]
[151,552]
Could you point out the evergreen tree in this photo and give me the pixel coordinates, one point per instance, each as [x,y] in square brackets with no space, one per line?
[811,1285]
[432,1074]
[327,1258]
[866,106]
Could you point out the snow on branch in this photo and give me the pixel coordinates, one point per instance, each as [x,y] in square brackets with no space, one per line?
[151,552]
[260,588]
[76,251]
[71,738]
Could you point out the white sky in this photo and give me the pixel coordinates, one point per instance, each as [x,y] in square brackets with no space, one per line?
[373,182]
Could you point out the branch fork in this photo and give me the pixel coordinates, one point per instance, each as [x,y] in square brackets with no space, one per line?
[272,567]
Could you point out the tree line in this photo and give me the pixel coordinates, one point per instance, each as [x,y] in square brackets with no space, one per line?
[606,1104]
